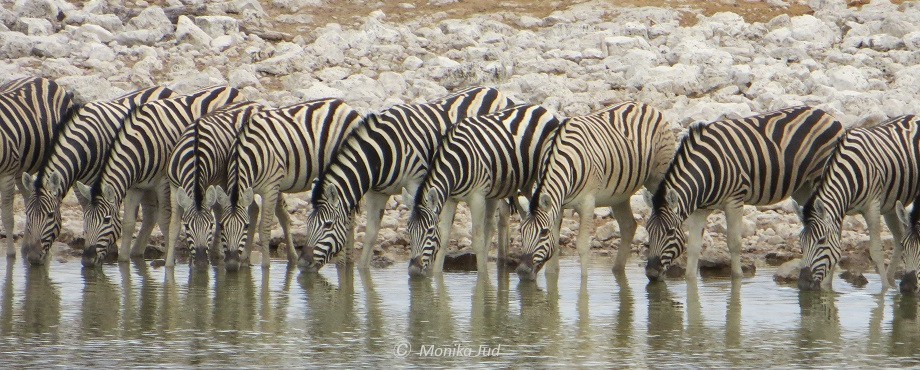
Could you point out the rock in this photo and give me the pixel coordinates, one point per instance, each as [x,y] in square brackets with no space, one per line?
[382,261]
[187,31]
[88,88]
[460,261]
[912,41]
[47,9]
[393,83]
[60,249]
[35,26]
[856,279]
[412,63]
[217,25]
[848,78]
[526,21]
[255,258]
[287,55]
[319,90]
[441,2]
[221,43]
[242,77]
[777,258]
[788,272]
[92,32]
[295,5]
[717,262]
[154,21]
[157,263]
[607,231]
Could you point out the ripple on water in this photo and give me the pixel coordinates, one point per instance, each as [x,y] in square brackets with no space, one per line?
[135,315]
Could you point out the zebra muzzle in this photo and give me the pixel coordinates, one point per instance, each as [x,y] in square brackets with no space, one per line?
[807,280]
[232,260]
[654,269]
[908,283]
[416,268]
[527,270]
[91,255]
[200,257]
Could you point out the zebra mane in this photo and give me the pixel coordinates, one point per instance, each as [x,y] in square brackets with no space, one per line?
[658,198]
[55,138]
[196,158]
[319,187]
[541,181]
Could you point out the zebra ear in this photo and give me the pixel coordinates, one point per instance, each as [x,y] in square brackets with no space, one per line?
[544,201]
[522,205]
[53,183]
[183,200]
[673,200]
[903,216]
[331,196]
[28,183]
[648,196]
[222,198]
[83,193]
[407,198]
[108,192]
[431,198]
[210,197]
[818,208]
[246,198]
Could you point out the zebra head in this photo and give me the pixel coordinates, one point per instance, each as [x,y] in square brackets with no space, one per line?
[43,215]
[424,236]
[666,238]
[327,230]
[234,225]
[911,244]
[101,222]
[537,238]
[820,242]
[198,223]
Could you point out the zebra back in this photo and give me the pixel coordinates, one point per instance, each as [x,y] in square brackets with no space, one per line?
[499,152]
[30,110]
[81,144]
[615,150]
[142,148]
[758,160]
[201,156]
[289,146]
[395,146]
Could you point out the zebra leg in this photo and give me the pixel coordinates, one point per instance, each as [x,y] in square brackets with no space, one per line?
[734,216]
[284,220]
[585,230]
[489,226]
[696,223]
[552,266]
[164,215]
[150,213]
[445,224]
[375,203]
[250,233]
[897,231]
[504,232]
[873,221]
[128,221]
[6,202]
[215,251]
[477,203]
[174,225]
[627,222]
[269,203]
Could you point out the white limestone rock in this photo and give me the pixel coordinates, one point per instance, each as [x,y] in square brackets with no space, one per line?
[187,31]
[217,25]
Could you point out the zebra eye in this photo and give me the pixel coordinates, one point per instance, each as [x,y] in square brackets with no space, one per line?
[544,232]
[822,240]
[327,224]
[431,230]
[107,219]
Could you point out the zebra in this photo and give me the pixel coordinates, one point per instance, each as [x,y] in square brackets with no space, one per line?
[871,171]
[758,160]
[198,162]
[280,151]
[31,109]
[910,245]
[388,152]
[481,160]
[78,151]
[597,160]
[136,168]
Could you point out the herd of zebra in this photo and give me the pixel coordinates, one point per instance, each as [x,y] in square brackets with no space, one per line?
[194,164]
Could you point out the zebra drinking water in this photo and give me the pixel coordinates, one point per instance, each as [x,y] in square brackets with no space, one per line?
[871,172]
[597,160]
[481,160]
[757,160]
[31,109]
[197,164]
[280,151]
[135,168]
[78,153]
[390,151]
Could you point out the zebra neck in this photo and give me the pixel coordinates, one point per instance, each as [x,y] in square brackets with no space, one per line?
[835,205]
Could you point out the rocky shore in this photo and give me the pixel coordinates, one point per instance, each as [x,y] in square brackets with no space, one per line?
[859,61]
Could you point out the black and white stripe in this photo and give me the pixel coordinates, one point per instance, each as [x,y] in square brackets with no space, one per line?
[31,110]
[79,149]
[871,172]
[758,160]
[197,164]
[136,169]
[280,151]
[597,160]
[481,160]
[389,152]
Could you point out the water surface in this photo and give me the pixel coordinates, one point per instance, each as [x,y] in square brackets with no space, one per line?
[131,314]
